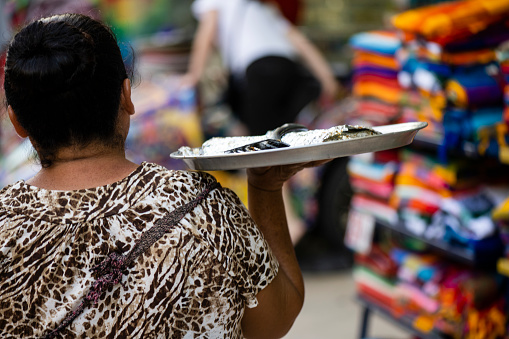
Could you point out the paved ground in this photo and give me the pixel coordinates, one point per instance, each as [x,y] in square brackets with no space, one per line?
[330,311]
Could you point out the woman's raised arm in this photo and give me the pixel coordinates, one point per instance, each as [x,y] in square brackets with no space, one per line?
[281,301]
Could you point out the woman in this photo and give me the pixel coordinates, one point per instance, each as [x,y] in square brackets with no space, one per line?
[260,48]
[218,272]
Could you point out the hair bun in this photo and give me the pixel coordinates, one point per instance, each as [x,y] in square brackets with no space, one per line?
[56,57]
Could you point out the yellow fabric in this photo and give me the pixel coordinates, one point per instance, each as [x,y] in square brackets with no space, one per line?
[424,323]
[456,93]
[503,266]
[484,135]
[503,149]
[447,174]
[408,180]
[501,212]
[486,326]
[499,132]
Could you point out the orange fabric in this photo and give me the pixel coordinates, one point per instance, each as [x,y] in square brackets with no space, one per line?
[412,20]
[471,57]
[408,180]
[448,21]
[363,59]
[378,90]
[386,180]
[366,79]
[458,58]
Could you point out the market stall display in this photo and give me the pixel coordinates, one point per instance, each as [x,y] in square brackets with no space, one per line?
[436,210]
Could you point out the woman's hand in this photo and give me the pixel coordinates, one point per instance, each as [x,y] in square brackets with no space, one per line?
[272,178]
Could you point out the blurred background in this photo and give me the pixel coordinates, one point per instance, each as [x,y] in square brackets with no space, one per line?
[406,243]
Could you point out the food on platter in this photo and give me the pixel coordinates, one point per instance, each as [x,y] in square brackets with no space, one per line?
[288,135]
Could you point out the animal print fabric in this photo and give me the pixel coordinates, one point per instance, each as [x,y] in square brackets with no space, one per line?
[193,283]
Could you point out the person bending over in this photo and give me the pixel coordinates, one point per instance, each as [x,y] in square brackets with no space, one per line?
[262,51]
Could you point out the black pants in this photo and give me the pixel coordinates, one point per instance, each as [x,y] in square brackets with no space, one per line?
[273,92]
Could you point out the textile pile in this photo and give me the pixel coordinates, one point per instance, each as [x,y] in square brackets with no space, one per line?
[433,295]
[445,64]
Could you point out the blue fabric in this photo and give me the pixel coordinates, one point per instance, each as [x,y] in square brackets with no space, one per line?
[482,83]
[426,273]
[412,63]
[399,255]
[486,116]
[377,43]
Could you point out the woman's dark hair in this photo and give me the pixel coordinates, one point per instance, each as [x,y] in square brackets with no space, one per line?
[63,79]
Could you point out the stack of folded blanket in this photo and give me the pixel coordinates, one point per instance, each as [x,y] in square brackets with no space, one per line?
[378,95]
[453,56]
[375,276]
[450,202]
[372,179]
[375,69]
[433,294]
[452,71]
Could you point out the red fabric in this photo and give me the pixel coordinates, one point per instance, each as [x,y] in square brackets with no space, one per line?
[375,296]
[378,189]
[387,156]
[391,83]
[378,261]
[422,207]
[378,108]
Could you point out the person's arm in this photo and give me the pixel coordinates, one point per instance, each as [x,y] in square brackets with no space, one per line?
[202,45]
[316,62]
[281,301]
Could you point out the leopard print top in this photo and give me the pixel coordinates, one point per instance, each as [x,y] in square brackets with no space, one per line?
[193,283]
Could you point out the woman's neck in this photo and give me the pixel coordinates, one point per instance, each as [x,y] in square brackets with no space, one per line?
[90,167]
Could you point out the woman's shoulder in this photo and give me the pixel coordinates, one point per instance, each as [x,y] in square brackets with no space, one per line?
[185,181]
[10,193]
[11,188]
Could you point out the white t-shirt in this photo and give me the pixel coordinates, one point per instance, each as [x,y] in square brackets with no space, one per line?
[247,31]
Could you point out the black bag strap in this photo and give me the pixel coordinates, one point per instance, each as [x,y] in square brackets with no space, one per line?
[112,269]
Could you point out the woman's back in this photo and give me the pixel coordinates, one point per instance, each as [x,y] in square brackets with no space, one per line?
[212,274]
[196,280]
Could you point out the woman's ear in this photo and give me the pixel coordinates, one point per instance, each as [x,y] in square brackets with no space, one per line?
[14,120]
[125,98]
